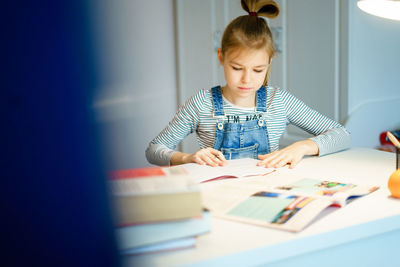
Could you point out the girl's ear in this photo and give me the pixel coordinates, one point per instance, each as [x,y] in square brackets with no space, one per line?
[220,56]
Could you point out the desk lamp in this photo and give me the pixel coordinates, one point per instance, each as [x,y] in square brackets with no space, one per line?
[389,9]
[394,180]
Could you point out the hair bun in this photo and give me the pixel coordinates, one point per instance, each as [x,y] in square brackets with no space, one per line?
[265,8]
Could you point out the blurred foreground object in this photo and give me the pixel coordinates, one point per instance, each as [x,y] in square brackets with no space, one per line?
[54,200]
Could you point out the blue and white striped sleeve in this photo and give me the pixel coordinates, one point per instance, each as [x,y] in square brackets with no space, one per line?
[185,122]
[329,135]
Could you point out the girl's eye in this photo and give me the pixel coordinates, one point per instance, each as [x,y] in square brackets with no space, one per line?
[236,68]
[258,71]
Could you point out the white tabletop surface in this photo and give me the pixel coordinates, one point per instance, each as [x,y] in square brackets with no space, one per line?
[232,242]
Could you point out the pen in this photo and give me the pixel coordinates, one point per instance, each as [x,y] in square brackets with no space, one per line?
[393,139]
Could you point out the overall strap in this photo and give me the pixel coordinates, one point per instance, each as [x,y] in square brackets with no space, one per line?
[261,100]
[217,101]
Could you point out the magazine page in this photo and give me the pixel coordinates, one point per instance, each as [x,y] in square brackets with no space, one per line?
[341,193]
[249,204]
[237,168]
[219,196]
[291,206]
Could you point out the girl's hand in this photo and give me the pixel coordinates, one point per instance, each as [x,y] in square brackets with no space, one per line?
[207,156]
[289,155]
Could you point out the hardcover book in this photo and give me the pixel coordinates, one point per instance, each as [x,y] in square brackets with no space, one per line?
[154,194]
[144,235]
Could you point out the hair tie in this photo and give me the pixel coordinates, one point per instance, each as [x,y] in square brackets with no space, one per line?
[254,14]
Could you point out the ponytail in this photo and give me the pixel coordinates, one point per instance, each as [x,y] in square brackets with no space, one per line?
[251,31]
[263,8]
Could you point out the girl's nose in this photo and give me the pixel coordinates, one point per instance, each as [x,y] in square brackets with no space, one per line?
[245,76]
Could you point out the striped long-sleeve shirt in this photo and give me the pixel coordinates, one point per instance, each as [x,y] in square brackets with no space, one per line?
[196,115]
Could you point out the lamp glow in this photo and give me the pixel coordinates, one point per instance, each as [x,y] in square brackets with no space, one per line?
[389,9]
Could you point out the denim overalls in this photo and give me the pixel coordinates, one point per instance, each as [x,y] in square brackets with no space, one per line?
[241,139]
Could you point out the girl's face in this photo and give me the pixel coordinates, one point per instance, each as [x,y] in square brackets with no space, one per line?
[245,72]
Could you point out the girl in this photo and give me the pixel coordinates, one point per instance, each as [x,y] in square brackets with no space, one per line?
[246,118]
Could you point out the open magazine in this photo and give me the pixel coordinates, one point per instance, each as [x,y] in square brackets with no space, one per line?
[288,207]
[236,168]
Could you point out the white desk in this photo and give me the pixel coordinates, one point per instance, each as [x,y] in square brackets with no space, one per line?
[364,233]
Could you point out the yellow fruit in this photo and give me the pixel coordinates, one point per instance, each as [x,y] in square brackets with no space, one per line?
[394,184]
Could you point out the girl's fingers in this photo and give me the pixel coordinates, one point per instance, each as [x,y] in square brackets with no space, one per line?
[263,156]
[198,160]
[295,161]
[217,157]
[262,161]
[210,159]
[216,160]
[200,157]
[276,161]
[221,156]
[282,162]
[290,155]
[209,156]
[293,164]
[267,159]
[270,155]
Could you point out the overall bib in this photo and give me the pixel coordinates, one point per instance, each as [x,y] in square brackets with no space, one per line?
[245,139]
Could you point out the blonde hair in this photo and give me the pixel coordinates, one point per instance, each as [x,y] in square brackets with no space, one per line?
[251,31]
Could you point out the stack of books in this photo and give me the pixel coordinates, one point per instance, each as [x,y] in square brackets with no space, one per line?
[157,209]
